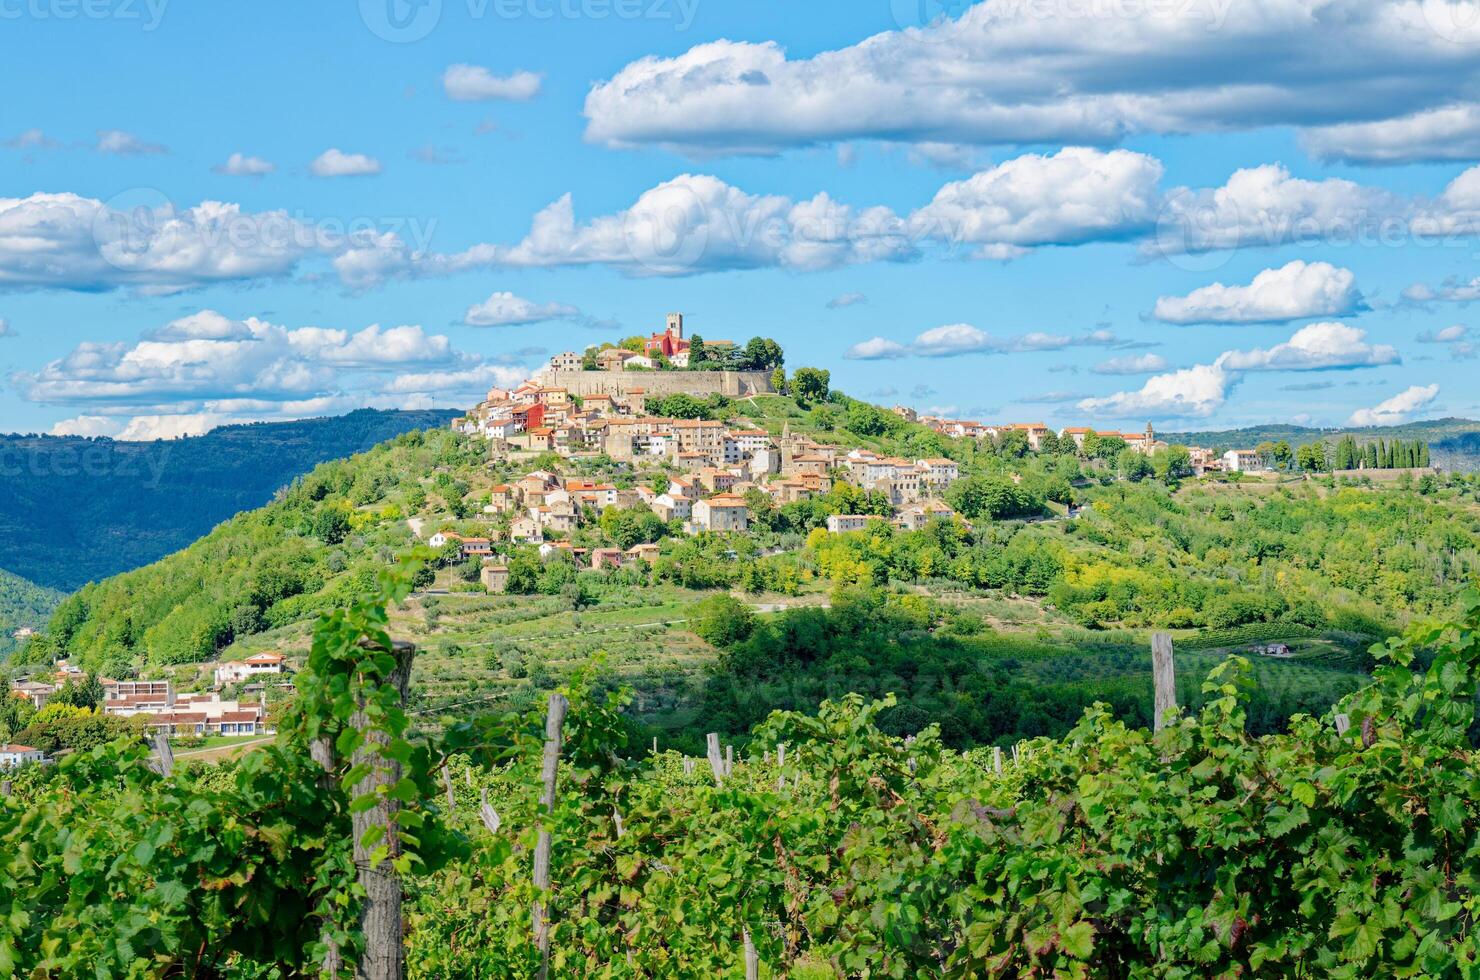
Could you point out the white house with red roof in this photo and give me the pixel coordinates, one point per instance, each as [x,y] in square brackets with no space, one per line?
[257,665]
[15,756]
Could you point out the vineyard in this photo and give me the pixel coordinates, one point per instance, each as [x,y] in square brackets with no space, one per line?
[553,843]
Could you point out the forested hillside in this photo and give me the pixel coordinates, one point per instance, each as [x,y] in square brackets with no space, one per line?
[22,604]
[75,510]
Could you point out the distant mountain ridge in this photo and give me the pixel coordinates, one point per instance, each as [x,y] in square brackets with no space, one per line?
[74,510]
[1454,443]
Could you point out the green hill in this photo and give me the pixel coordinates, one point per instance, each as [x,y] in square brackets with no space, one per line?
[1010,626]
[1454,443]
[22,604]
[75,510]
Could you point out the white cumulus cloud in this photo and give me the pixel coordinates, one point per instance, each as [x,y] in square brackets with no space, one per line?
[690,224]
[1450,132]
[1295,291]
[1195,392]
[1132,364]
[1014,73]
[473,380]
[954,339]
[1456,337]
[334,162]
[67,241]
[210,358]
[697,223]
[31,139]
[507,310]
[206,369]
[242,165]
[1397,409]
[474,83]
[1076,195]
[1266,205]
[1318,346]
[151,428]
[1453,334]
[120,143]
[1450,291]
[1201,390]
[876,349]
[90,426]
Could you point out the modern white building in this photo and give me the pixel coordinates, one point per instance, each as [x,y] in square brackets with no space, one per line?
[1243,461]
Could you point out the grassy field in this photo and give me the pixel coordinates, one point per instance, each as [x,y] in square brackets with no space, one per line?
[481,652]
[220,748]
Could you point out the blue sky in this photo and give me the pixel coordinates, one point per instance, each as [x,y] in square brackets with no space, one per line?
[1208,213]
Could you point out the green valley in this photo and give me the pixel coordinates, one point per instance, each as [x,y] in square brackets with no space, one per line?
[75,510]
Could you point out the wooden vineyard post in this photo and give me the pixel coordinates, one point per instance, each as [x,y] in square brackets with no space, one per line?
[997,759]
[380,916]
[688,766]
[1164,674]
[729,760]
[752,958]
[5,789]
[781,765]
[1343,722]
[554,722]
[321,751]
[716,761]
[488,815]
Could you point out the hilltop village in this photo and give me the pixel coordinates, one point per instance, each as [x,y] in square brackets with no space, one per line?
[658,458]
[669,408]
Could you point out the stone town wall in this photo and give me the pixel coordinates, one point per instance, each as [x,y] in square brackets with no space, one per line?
[736,384]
